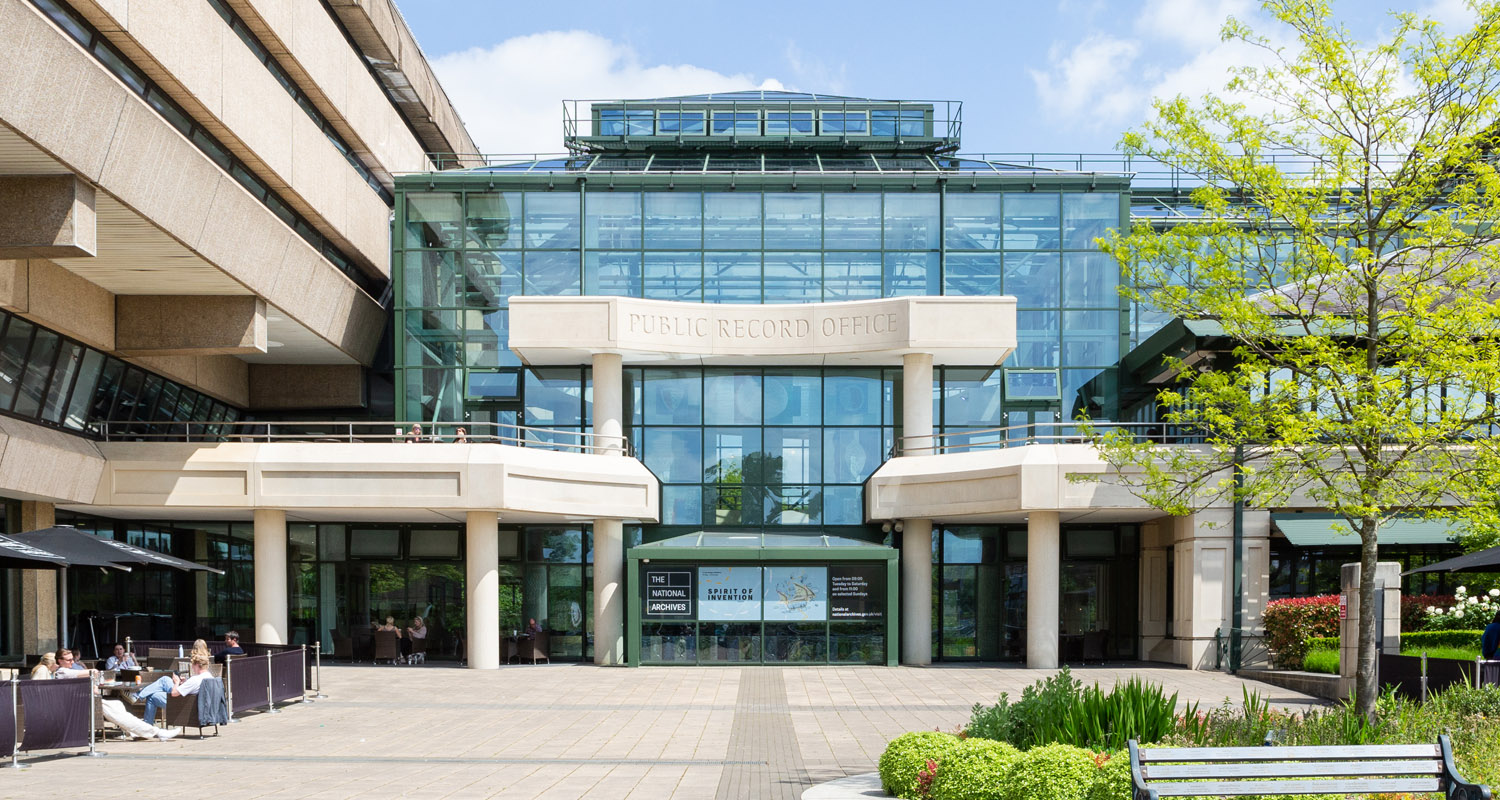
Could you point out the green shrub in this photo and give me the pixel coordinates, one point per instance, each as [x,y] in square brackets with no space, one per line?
[1059,710]
[996,722]
[1292,622]
[1323,643]
[1326,661]
[909,753]
[976,770]
[1465,700]
[1052,772]
[1112,779]
[1434,639]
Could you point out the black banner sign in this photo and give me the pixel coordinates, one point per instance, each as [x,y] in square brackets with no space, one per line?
[668,592]
[856,591]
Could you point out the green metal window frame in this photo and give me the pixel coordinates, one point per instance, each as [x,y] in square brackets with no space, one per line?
[763,556]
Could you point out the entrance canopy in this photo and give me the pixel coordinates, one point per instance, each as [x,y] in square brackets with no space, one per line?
[1331,530]
[966,330]
[757,546]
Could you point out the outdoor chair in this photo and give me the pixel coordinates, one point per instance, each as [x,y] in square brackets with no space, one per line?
[386,646]
[537,648]
[160,658]
[182,712]
[418,652]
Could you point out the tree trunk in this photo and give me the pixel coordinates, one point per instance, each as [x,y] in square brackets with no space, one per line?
[1366,679]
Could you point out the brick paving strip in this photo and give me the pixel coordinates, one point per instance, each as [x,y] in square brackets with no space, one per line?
[764,740]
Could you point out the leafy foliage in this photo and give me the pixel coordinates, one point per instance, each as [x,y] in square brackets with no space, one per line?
[1060,709]
[1435,639]
[1291,623]
[1052,772]
[1356,290]
[907,755]
[976,770]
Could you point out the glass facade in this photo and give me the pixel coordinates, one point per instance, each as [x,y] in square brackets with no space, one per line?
[463,253]
[49,379]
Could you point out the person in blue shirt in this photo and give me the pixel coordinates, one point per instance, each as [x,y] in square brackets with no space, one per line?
[231,647]
[1489,643]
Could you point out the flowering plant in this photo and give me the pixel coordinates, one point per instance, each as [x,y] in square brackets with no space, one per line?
[1466,611]
[1290,623]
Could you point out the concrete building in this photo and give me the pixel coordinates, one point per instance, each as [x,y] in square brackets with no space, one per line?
[765,377]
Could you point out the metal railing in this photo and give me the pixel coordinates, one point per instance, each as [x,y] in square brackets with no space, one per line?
[1041,433]
[367,433]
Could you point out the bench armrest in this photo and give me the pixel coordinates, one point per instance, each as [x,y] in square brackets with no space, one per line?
[1139,789]
[1458,788]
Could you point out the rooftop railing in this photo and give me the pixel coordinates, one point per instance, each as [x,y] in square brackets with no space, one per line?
[367,433]
[1041,433]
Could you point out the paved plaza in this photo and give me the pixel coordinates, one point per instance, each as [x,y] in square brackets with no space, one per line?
[570,731]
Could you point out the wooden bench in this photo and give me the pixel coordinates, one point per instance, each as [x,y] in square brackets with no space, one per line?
[1261,771]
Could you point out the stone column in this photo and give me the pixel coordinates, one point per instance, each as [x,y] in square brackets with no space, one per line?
[916,538]
[1388,574]
[609,543]
[916,593]
[270,576]
[482,589]
[1043,572]
[916,403]
[39,620]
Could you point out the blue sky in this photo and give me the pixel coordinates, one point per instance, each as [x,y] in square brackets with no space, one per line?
[1067,76]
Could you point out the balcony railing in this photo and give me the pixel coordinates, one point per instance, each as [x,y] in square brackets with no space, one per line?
[1041,433]
[367,433]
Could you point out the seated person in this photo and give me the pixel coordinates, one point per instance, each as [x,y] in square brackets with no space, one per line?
[121,659]
[231,647]
[67,666]
[44,668]
[1489,643]
[155,695]
[532,628]
[418,630]
[200,648]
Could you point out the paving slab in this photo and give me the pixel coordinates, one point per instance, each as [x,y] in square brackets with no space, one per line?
[574,731]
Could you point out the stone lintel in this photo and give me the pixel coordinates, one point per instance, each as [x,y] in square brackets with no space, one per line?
[154,325]
[47,216]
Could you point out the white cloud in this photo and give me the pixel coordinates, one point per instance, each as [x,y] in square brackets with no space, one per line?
[1189,23]
[1092,81]
[510,95]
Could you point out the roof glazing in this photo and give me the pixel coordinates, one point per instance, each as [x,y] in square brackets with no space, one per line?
[752,95]
[751,163]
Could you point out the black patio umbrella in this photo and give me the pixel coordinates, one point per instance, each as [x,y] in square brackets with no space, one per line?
[86,549]
[1478,561]
[19,555]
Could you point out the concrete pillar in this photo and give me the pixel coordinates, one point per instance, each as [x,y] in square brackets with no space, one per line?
[1043,592]
[916,593]
[39,591]
[270,576]
[916,538]
[916,403]
[482,589]
[609,540]
[609,398]
[1387,573]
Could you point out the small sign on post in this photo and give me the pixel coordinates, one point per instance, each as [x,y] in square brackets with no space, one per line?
[1343,606]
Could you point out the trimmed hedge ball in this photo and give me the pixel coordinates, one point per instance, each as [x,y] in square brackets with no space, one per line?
[907,754]
[976,770]
[1052,772]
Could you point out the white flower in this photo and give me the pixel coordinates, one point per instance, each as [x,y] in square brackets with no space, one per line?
[1461,590]
[1433,610]
[1437,611]
[1495,593]
[1458,612]
[1473,601]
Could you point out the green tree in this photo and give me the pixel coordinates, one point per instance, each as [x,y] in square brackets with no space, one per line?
[1357,287]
